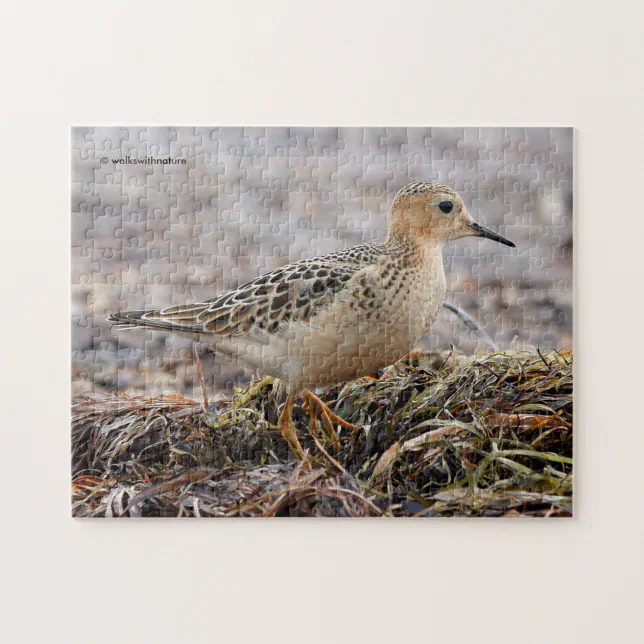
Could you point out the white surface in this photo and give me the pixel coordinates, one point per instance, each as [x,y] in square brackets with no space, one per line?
[438,63]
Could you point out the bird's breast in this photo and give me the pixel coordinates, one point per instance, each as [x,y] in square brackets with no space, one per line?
[416,306]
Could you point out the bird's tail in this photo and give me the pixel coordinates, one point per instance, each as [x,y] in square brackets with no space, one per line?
[145,319]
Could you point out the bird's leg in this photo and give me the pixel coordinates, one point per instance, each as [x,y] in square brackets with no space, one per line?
[313,400]
[313,423]
[313,403]
[328,425]
[287,427]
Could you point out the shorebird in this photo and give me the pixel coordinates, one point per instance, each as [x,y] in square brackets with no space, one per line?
[321,321]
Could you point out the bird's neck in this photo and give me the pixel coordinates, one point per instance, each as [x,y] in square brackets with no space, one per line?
[419,252]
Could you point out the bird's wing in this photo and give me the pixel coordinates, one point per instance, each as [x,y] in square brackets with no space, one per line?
[291,293]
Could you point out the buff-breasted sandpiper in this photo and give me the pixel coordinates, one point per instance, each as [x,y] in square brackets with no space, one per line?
[337,317]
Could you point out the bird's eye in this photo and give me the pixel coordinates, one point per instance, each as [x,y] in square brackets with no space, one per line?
[446,206]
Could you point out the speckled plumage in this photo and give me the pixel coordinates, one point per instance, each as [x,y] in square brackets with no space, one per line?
[320,321]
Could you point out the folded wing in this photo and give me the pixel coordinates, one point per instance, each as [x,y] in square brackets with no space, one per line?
[291,293]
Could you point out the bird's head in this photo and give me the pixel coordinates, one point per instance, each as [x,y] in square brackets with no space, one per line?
[433,211]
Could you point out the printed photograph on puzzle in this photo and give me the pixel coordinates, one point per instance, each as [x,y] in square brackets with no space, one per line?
[322,321]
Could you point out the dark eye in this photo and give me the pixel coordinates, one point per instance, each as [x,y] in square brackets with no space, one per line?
[446,206]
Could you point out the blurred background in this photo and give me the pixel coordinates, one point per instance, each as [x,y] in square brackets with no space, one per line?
[240,201]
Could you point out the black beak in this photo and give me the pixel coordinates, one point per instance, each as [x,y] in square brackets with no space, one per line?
[482,231]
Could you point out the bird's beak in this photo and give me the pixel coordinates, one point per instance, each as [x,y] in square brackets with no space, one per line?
[482,231]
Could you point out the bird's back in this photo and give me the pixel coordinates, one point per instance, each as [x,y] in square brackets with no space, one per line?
[291,292]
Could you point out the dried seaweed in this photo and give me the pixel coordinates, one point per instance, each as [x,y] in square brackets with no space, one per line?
[443,435]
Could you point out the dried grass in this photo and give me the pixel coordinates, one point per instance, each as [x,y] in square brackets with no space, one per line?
[444,435]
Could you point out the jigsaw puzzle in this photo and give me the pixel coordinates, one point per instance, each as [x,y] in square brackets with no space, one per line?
[321,321]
